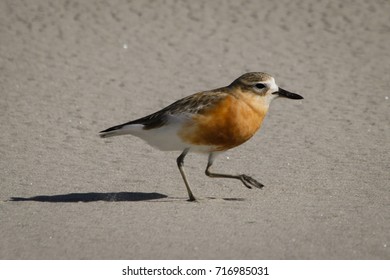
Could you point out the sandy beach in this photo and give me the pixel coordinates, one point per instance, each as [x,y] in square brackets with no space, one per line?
[69,69]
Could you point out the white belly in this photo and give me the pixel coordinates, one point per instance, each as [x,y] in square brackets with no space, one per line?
[165,138]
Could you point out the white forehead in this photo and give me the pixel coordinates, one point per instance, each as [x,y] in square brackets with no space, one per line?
[271,84]
[270,81]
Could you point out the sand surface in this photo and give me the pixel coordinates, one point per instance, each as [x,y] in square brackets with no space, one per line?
[69,69]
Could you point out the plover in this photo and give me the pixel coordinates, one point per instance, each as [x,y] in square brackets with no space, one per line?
[209,122]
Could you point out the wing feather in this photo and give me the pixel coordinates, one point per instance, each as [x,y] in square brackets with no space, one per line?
[193,104]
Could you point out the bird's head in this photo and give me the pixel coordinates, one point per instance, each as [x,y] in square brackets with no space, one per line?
[263,85]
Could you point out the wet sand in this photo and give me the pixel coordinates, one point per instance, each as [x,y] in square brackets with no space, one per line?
[69,70]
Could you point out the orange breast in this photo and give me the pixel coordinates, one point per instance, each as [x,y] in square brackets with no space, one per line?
[228,124]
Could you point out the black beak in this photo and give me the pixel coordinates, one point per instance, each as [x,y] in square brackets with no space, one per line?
[284,93]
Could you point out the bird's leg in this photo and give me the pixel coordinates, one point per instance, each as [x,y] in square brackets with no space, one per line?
[180,163]
[248,181]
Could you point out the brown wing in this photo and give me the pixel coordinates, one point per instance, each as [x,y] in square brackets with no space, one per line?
[193,104]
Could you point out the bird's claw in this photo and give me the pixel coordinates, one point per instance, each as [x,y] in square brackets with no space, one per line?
[249,182]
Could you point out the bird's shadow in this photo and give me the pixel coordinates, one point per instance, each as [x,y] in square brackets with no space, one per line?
[92,197]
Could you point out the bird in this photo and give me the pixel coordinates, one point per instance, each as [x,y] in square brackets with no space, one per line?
[209,122]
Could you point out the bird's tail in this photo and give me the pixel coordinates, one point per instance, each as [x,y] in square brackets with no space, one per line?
[114,131]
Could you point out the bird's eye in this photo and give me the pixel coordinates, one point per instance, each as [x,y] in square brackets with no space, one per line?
[260,86]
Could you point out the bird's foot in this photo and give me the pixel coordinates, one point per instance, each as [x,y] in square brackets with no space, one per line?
[192,200]
[249,182]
